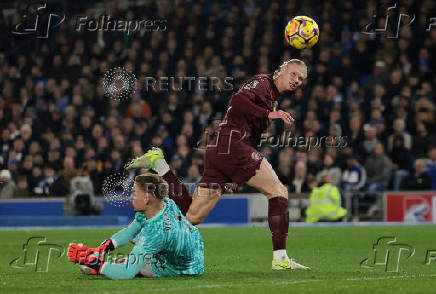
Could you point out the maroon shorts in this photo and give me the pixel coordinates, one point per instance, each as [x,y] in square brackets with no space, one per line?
[228,159]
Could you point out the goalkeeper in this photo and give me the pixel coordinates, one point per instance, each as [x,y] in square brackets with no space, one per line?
[166,243]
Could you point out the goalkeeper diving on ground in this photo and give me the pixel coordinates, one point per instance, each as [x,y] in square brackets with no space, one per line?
[166,243]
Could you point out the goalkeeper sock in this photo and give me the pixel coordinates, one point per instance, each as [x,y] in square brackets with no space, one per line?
[161,167]
[278,220]
[177,191]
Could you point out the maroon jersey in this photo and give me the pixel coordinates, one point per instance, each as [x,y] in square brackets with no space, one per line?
[227,160]
[247,114]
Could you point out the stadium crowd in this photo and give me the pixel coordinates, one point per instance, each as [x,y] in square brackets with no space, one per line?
[374,94]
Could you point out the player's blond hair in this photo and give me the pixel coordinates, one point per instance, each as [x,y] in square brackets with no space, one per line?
[153,184]
[285,63]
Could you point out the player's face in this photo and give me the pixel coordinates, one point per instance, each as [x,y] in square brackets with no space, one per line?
[292,77]
[139,198]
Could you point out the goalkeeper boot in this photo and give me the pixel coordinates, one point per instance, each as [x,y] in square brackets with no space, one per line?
[147,160]
[289,263]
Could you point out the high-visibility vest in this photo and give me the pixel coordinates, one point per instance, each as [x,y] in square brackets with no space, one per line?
[325,204]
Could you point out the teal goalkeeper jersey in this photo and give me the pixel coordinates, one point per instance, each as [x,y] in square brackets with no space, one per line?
[168,241]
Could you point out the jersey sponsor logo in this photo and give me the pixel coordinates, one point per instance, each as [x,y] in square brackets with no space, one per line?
[255,155]
[167,222]
[251,85]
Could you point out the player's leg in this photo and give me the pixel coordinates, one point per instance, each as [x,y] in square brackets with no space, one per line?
[267,182]
[209,189]
[203,201]
[206,195]
[154,159]
[177,191]
[146,271]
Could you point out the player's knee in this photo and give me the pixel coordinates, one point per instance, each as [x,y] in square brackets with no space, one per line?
[283,191]
[277,189]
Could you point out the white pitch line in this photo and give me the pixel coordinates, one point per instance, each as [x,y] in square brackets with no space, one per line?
[392,277]
[276,283]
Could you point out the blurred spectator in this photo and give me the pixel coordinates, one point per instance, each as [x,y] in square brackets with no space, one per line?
[26,167]
[354,176]
[192,179]
[400,130]
[422,140]
[378,169]
[284,168]
[431,165]
[356,135]
[419,181]
[368,144]
[61,186]
[314,162]
[299,183]
[43,188]
[7,184]
[401,161]
[22,189]
[330,166]
[176,164]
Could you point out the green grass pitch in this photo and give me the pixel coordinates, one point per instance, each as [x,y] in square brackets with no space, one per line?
[238,260]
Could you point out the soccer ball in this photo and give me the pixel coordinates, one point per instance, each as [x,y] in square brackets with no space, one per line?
[302,32]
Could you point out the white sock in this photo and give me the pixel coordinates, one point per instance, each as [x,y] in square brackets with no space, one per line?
[161,166]
[280,255]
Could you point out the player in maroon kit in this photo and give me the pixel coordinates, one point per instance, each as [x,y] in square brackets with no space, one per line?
[230,159]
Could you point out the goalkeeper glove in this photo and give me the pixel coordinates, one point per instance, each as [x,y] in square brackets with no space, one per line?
[105,247]
[79,253]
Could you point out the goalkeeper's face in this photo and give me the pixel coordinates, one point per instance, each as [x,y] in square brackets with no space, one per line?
[140,198]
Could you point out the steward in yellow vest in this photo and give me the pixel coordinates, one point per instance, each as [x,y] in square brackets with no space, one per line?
[325,202]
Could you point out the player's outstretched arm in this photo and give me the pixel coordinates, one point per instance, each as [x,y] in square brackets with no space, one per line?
[137,259]
[80,251]
[125,235]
